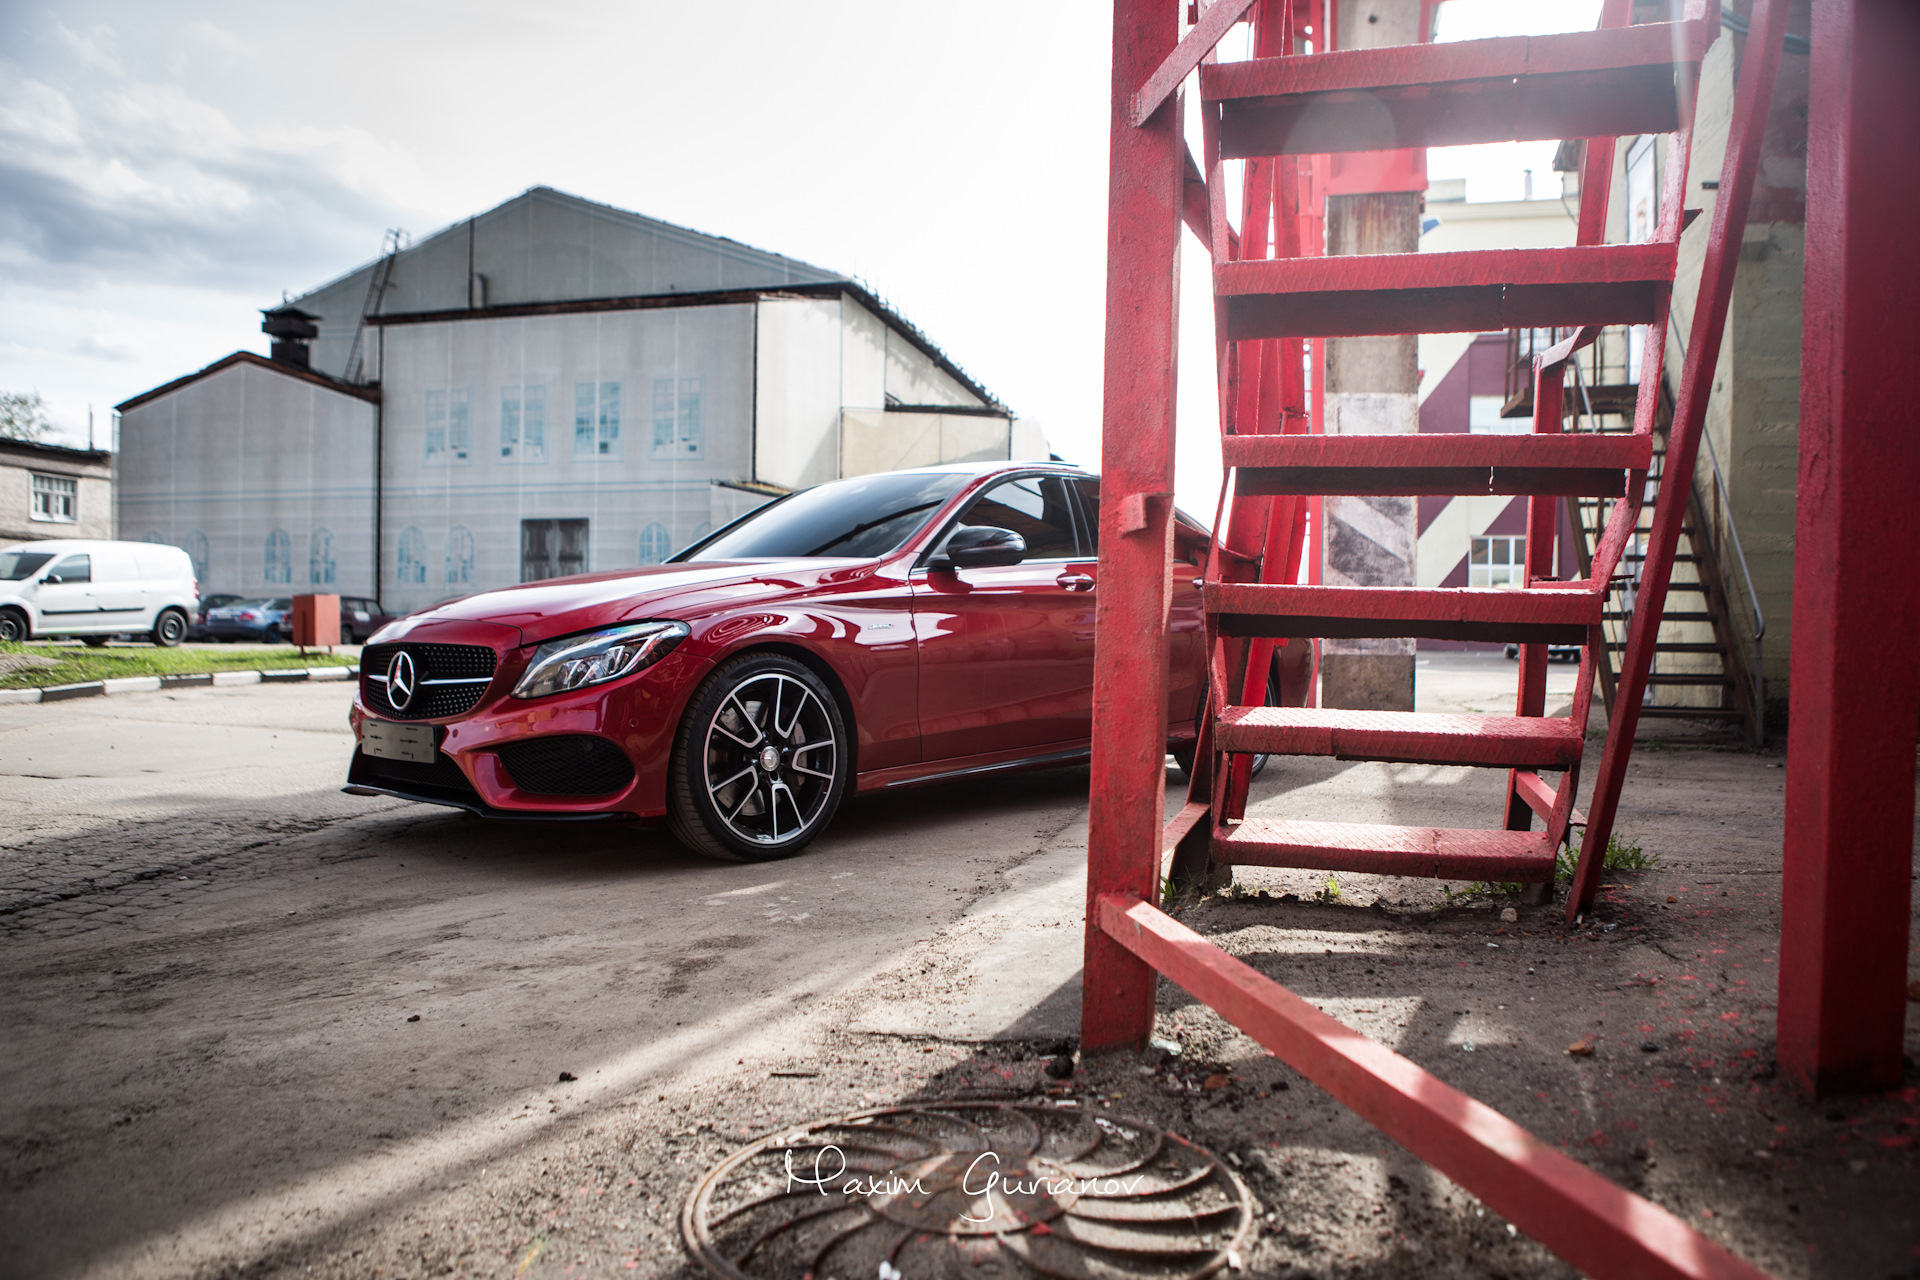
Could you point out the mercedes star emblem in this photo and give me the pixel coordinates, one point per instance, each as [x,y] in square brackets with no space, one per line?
[401,681]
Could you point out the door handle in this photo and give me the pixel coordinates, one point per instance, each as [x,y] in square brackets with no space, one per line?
[1075,581]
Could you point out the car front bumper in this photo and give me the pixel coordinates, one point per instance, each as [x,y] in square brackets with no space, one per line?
[637,715]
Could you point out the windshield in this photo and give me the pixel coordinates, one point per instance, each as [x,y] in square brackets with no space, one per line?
[864,517]
[18,565]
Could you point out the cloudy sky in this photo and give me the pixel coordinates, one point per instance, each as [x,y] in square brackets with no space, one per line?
[166,170]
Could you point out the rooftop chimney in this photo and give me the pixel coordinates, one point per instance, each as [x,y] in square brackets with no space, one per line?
[291,330]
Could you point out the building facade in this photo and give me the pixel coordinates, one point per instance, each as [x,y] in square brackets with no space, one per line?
[50,491]
[552,387]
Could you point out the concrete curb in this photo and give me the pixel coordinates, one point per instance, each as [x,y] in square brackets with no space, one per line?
[155,684]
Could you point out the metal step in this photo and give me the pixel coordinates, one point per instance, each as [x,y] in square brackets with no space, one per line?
[1495,742]
[1667,616]
[1605,83]
[1438,852]
[1702,679]
[1690,713]
[1674,647]
[1434,463]
[1467,291]
[1533,616]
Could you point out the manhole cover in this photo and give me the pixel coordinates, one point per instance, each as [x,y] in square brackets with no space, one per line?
[940,1191]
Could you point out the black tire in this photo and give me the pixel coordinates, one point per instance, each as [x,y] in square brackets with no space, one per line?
[169,629]
[95,642]
[1183,755]
[276,636]
[13,627]
[756,811]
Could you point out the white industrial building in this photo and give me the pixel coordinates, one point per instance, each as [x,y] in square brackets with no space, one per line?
[550,387]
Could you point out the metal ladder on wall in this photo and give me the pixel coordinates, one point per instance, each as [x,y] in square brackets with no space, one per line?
[1274,109]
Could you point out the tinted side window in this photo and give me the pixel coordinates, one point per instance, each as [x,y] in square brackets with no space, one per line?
[73,569]
[1037,508]
[1089,492]
[1190,542]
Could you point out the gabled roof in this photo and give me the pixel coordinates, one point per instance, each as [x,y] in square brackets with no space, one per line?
[548,246]
[371,394]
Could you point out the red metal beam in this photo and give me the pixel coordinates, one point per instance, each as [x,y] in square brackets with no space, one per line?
[1846,890]
[1598,1227]
[1166,78]
[1481,289]
[1751,94]
[1147,180]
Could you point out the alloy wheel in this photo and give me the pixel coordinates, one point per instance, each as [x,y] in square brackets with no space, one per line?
[771,755]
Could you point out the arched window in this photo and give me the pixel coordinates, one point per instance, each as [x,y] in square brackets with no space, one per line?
[459,556]
[656,544]
[195,546]
[154,536]
[413,558]
[279,559]
[320,558]
[700,531]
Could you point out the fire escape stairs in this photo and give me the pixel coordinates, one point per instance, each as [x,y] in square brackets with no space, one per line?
[1720,665]
[1599,85]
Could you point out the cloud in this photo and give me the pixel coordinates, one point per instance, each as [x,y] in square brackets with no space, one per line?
[112,179]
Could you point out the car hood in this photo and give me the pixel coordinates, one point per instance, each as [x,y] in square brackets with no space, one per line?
[563,606]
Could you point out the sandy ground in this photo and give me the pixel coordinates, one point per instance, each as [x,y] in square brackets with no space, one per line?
[212,963]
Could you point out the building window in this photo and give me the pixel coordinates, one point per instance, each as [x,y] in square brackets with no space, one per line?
[656,544]
[278,567]
[412,558]
[678,425]
[195,546]
[523,424]
[552,549]
[56,498]
[596,419]
[1497,562]
[320,558]
[449,428]
[154,536]
[459,556]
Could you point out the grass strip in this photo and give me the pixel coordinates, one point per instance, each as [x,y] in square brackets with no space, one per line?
[77,664]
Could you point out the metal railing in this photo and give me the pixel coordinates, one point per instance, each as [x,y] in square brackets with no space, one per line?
[1725,505]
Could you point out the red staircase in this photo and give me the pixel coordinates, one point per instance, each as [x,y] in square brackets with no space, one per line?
[1616,80]
[1283,112]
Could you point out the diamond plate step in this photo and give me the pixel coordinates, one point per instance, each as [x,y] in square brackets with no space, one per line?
[1437,852]
[1587,84]
[1578,465]
[1514,742]
[1535,616]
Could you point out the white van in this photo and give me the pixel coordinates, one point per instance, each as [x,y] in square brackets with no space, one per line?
[96,590]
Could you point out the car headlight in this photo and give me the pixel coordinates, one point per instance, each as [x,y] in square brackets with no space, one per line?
[600,656]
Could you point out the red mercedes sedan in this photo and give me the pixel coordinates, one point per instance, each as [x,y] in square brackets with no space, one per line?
[871,633]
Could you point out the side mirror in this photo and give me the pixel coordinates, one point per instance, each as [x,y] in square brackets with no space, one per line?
[52,580]
[980,547]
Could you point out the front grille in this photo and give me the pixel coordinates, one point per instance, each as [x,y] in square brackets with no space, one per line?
[432,662]
[567,765]
[443,775]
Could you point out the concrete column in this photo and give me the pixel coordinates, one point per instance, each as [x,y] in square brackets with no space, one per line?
[1372,389]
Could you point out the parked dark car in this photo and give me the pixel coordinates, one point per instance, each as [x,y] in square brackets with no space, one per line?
[256,619]
[198,629]
[867,634]
[360,618]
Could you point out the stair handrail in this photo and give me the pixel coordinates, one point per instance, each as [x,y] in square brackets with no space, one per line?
[1757,670]
[1726,506]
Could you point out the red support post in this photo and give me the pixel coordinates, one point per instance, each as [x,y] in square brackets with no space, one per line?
[1146,186]
[1847,890]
